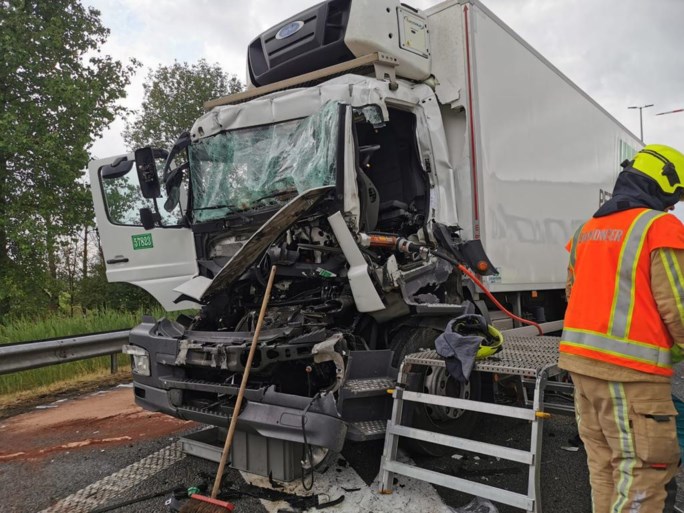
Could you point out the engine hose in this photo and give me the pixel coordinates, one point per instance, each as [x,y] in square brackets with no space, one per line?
[484,289]
[406,246]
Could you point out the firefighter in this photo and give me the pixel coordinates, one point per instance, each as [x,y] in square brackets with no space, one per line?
[625,314]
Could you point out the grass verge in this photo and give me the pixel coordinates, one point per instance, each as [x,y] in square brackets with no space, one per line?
[57,326]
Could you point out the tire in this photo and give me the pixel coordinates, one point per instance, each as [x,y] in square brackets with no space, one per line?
[430,379]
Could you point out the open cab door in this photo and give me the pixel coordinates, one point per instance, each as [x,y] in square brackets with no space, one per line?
[142,244]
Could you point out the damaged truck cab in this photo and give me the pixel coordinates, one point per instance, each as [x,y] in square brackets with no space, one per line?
[305,195]
[362,166]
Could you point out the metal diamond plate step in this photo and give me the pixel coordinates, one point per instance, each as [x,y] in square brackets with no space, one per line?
[363,430]
[369,386]
[522,356]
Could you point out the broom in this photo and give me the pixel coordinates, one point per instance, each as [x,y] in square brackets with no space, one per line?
[199,503]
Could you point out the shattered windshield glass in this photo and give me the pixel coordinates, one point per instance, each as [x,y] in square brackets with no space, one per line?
[254,167]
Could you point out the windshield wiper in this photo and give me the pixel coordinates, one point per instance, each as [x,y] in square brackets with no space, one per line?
[277,193]
[235,210]
[216,207]
[238,213]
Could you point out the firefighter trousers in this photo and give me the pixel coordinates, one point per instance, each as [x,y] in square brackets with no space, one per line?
[630,436]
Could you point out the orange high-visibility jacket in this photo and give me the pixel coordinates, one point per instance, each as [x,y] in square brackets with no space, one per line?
[612,315]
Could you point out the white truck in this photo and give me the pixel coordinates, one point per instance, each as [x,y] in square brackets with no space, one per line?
[375,146]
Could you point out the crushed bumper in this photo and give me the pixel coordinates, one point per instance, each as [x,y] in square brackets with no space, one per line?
[273,415]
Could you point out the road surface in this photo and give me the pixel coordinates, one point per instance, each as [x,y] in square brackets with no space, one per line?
[79,454]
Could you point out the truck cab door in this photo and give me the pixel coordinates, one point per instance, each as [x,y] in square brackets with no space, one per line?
[157,259]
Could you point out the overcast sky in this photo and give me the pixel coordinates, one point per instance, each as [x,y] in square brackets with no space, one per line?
[621,52]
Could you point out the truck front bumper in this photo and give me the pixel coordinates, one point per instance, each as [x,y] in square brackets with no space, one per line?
[268,413]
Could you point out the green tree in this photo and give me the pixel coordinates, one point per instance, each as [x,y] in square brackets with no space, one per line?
[173,100]
[57,94]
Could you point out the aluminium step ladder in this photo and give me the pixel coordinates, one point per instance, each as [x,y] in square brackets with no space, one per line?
[532,359]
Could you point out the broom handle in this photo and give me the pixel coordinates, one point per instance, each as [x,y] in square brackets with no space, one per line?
[243,386]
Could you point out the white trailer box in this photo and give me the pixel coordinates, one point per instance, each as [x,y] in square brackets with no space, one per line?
[536,157]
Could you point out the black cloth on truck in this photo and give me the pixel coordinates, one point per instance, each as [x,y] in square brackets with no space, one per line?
[459,351]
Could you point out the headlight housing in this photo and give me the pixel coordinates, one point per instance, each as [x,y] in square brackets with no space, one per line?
[140,359]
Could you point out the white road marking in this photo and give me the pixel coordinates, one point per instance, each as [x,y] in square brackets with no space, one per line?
[409,494]
[111,487]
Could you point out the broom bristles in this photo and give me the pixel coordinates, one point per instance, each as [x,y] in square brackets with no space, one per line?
[202,504]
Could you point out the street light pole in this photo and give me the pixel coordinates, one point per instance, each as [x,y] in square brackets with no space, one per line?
[641,119]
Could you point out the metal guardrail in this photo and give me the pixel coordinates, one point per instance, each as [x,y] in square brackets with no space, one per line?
[31,355]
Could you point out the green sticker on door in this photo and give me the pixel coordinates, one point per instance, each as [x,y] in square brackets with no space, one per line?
[143,241]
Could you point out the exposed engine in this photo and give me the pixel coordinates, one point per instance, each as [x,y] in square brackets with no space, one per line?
[312,321]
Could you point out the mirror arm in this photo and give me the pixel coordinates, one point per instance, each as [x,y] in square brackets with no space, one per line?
[147,173]
[181,143]
[148,219]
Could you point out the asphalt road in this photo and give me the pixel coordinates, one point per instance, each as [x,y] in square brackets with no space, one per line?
[38,481]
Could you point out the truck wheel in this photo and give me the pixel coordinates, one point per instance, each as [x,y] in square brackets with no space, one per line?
[434,380]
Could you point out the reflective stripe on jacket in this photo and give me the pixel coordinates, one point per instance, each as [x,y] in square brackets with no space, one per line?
[612,315]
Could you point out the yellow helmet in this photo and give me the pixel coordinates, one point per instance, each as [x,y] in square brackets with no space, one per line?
[492,345]
[663,164]
[475,324]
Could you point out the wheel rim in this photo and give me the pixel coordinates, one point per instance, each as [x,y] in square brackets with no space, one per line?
[438,382]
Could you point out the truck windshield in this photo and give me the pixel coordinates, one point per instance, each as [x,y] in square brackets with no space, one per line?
[249,168]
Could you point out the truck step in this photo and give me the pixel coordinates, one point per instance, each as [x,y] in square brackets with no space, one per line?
[368,387]
[363,430]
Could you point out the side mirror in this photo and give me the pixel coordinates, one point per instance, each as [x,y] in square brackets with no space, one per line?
[116,169]
[147,218]
[147,173]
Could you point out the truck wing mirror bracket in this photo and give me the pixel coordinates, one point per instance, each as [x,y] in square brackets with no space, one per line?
[116,169]
[147,173]
[148,218]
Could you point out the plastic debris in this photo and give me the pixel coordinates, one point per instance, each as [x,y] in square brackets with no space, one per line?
[477,505]
[324,273]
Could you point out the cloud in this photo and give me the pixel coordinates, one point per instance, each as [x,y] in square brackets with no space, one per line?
[157,32]
[621,52]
